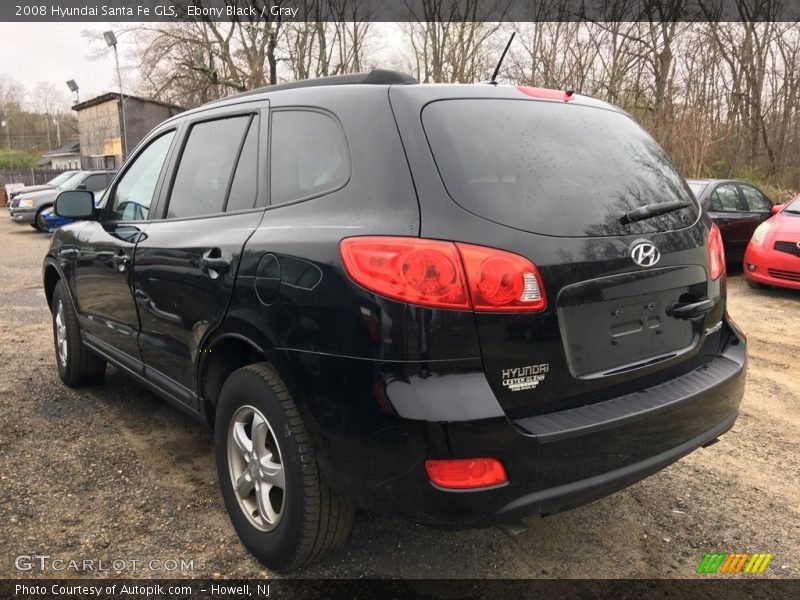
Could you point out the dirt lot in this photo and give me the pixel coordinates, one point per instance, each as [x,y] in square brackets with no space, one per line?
[114,473]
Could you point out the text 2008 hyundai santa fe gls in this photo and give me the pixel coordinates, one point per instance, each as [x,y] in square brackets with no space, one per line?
[460,304]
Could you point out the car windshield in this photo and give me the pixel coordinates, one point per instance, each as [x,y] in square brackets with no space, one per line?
[793,206]
[73,182]
[697,188]
[59,179]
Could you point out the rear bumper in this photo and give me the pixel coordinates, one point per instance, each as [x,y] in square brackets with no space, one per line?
[554,462]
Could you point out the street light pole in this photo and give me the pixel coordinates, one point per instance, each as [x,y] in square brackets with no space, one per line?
[111,40]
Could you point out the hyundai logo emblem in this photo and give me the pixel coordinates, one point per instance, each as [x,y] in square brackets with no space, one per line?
[645,254]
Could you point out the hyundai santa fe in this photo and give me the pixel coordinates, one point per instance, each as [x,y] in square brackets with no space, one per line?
[459,304]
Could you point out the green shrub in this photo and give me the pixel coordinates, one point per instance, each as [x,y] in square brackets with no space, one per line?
[17,159]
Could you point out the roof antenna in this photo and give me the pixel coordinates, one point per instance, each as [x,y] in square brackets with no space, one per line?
[493,80]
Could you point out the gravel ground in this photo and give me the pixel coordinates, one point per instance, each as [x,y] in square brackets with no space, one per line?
[114,473]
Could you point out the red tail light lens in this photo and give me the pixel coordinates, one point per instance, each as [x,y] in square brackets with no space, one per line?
[425,272]
[444,274]
[469,473]
[502,281]
[716,253]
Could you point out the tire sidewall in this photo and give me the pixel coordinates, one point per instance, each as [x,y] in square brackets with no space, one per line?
[59,296]
[37,221]
[278,546]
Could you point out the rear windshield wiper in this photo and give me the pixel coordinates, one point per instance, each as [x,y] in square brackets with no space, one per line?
[652,210]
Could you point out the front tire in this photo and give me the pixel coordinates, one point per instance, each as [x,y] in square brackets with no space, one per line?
[756,285]
[38,223]
[77,365]
[282,509]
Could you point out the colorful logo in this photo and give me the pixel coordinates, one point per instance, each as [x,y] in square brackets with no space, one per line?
[722,562]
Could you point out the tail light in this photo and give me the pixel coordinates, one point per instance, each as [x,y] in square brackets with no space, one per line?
[444,274]
[501,281]
[466,473]
[425,272]
[716,253]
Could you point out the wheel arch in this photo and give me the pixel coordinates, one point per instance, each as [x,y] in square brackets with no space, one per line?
[51,275]
[232,349]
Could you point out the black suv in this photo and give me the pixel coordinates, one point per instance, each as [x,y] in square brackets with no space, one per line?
[460,304]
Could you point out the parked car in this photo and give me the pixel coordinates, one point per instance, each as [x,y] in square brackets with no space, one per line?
[28,208]
[736,207]
[28,189]
[51,221]
[773,255]
[458,304]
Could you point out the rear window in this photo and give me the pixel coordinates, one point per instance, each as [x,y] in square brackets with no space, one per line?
[551,168]
[697,188]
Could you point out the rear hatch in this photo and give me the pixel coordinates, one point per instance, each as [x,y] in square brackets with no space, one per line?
[552,180]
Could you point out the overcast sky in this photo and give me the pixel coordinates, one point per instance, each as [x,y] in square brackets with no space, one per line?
[56,52]
[33,52]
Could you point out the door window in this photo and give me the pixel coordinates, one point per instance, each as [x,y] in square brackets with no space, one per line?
[206,166]
[756,201]
[244,187]
[95,183]
[725,198]
[134,191]
[309,155]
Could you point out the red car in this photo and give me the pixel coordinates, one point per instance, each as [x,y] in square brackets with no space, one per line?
[773,255]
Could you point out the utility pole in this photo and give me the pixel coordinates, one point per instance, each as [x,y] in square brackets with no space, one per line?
[58,130]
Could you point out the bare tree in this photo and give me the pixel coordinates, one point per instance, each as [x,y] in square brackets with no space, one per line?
[450,41]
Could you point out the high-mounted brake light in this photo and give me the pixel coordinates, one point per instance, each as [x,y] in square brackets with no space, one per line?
[716,253]
[546,94]
[466,473]
[444,274]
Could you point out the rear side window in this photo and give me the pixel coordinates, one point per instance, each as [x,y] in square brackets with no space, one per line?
[309,155]
[755,200]
[553,168]
[206,166]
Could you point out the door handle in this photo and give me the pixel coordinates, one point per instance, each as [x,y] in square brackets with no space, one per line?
[213,264]
[688,310]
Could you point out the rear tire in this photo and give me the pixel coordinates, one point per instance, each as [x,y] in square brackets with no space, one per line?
[77,365]
[262,444]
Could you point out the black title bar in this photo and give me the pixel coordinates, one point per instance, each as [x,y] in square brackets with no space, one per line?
[261,11]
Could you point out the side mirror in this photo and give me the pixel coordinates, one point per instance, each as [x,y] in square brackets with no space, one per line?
[776,209]
[75,204]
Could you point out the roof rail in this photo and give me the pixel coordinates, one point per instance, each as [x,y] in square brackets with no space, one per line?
[374,77]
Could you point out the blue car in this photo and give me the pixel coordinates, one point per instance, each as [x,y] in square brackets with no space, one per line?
[52,221]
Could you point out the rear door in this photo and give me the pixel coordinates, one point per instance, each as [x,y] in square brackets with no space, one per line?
[551,180]
[186,265]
